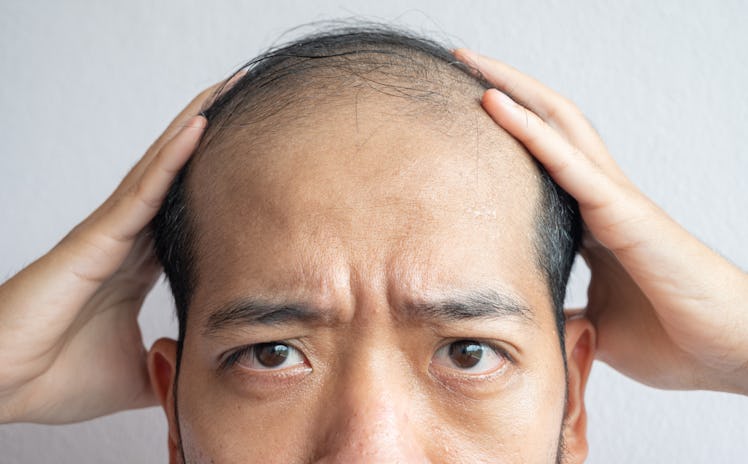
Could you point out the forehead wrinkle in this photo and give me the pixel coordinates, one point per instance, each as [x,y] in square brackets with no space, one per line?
[490,167]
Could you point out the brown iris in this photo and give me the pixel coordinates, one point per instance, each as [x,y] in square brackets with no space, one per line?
[465,353]
[271,354]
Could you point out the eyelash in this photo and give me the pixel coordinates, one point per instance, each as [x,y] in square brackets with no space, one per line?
[495,347]
[231,359]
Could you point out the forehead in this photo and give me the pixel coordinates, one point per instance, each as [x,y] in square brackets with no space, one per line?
[356,191]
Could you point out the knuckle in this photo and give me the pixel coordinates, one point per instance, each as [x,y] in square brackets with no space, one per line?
[141,195]
[510,88]
[552,113]
[531,137]
[577,154]
[558,167]
[76,234]
[563,110]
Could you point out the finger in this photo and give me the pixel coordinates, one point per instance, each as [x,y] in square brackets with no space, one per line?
[202,101]
[522,88]
[573,313]
[120,218]
[549,105]
[132,210]
[617,214]
[568,165]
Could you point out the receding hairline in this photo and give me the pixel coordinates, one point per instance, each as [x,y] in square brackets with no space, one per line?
[226,173]
[276,97]
[426,85]
[232,143]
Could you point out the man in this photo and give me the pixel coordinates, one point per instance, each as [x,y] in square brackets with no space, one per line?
[360,270]
[360,261]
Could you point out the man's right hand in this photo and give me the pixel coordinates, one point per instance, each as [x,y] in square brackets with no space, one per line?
[70,345]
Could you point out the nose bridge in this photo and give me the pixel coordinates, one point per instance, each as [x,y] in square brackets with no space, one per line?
[371,416]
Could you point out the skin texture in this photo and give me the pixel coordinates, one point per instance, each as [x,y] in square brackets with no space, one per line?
[360,219]
[669,311]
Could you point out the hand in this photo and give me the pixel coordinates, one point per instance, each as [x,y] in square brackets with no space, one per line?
[669,312]
[70,345]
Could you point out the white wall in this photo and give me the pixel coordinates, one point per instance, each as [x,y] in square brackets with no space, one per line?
[87,85]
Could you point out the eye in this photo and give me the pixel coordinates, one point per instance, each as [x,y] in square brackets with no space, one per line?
[470,356]
[266,356]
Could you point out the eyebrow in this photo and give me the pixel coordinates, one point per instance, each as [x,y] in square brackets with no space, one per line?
[256,311]
[466,305]
[487,304]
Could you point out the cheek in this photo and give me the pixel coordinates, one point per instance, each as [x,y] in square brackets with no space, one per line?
[219,424]
[522,424]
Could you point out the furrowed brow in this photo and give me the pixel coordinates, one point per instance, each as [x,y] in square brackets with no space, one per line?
[252,311]
[481,304]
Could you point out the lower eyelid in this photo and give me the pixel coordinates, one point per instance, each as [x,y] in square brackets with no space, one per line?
[267,382]
[466,384]
[291,371]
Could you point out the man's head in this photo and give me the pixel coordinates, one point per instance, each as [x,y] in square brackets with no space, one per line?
[367,268]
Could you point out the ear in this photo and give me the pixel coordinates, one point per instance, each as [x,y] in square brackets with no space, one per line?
[162,362]
[580,352]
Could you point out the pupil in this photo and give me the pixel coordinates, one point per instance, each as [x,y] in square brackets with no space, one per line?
[271,354]
[465,353]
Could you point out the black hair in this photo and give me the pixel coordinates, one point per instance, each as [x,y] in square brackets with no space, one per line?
[316,66]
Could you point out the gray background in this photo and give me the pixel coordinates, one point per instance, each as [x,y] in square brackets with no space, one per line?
[87,85]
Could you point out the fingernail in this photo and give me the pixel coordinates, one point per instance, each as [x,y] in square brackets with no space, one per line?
[197,122]
[474,54]
[467,55]
[235,78]
[505,100]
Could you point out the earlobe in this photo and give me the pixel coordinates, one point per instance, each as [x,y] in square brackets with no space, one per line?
[580,352]
[162,360]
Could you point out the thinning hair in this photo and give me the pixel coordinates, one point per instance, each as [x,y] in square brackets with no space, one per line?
[316,68]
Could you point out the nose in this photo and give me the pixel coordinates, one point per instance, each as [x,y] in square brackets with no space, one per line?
[373,417]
